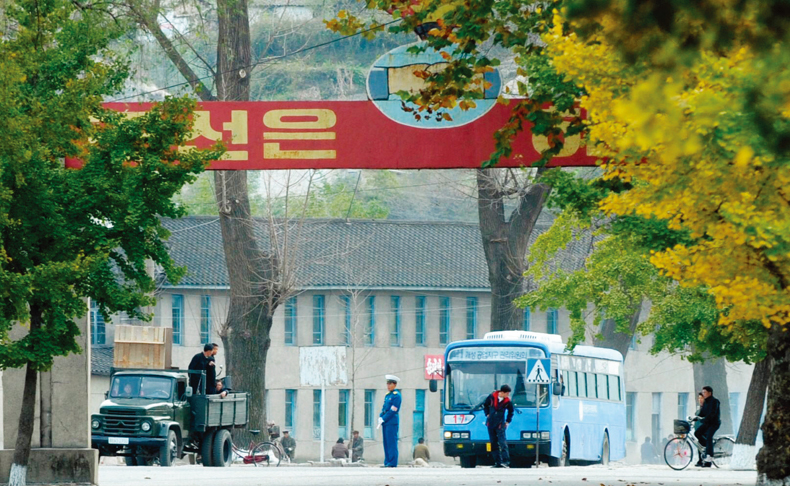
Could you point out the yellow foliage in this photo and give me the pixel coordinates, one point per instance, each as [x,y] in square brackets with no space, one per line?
[687,138]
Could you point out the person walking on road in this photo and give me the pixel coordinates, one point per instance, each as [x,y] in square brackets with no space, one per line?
[495,407]
[357,447]
[389,421]
[710,415]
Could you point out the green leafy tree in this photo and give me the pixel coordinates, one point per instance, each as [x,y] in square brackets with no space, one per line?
[66,235]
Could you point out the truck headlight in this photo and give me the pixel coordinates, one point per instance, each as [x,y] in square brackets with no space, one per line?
[95,423]
[146,426]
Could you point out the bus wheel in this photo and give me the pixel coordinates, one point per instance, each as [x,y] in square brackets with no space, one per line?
[468,462]
[605,449]
[562,461]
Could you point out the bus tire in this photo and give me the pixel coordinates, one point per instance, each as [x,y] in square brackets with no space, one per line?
[565,452]
[206,449]
[605,449]
[468,462]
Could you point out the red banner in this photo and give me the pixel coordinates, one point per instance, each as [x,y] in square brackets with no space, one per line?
[351,135]
[434,367]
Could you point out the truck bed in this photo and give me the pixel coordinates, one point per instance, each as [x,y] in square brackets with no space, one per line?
[211,411]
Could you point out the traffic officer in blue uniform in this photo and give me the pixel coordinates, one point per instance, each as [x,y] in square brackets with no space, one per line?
[389,421]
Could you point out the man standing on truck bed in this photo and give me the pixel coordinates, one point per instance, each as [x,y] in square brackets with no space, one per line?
[203,362]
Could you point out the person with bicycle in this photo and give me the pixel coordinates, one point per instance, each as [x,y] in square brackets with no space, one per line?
[710,418]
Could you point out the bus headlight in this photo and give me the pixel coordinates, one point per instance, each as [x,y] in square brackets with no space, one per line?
[456,435]
[146,426]
[464,435]
[95,423]
[544,435]
[448,435]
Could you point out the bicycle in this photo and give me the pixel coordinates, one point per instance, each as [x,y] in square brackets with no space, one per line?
[678,453]
[264,454]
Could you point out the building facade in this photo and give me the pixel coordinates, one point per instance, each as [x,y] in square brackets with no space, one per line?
[403,292]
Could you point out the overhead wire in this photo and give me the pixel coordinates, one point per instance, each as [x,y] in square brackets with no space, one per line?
[255,64]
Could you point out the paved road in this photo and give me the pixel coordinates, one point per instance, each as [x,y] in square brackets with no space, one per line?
[615,475]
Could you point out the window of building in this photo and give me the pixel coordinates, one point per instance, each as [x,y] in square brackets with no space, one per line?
[394,320]
[98,333]
[343,414]
[630,416]
[418,417]
[444,320]
[370,414]
[370,328]
[290,321]
[205,319]
[527,318]
[683,400]
[178,318]
[551,321]
[316,414]
[345,305]
[471,317]
[655,422]
[419,318]
[290,411]
[735,398]
[319,311]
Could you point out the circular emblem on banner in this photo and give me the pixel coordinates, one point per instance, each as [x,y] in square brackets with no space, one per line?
[394,72]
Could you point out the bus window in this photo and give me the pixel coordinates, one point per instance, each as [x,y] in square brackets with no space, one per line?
[469,383]
[566,378]
[600,381]
[582,379]
[591,385]
[614,388]
[572,385]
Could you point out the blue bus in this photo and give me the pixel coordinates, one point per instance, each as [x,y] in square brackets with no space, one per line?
[582,410]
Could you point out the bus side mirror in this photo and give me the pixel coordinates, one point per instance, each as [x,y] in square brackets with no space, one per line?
[188,392]
[106,395]
[557,388]
[433,386]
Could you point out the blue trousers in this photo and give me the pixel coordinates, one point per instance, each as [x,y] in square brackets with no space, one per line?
[499,445]
[389,435]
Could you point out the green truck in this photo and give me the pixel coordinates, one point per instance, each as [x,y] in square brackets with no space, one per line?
[153,416]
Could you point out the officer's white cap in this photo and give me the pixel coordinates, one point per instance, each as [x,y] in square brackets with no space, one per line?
[392,378]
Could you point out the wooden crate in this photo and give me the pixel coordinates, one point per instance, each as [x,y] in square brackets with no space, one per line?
[143,347]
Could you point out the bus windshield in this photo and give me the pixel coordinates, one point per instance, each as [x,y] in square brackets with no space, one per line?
[133,386]
[469,383]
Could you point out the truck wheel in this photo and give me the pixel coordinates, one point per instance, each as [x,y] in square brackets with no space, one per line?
[169,451]
[222,449]
[205,448]
[468,462]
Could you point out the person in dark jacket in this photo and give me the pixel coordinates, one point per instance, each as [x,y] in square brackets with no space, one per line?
[710,416]
[495,407]
[203,362]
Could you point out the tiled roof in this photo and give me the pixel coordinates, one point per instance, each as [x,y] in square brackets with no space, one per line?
[357,253]
[101,359]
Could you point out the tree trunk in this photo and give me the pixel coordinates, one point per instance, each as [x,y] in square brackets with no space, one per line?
[773,460]
[713,373]
[745,451]
[45,410]
[505,244]
[614,339]
[755,399]
[27,415]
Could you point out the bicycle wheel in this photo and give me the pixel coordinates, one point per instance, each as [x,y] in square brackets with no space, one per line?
[678,453]
[722,451]
[266,454]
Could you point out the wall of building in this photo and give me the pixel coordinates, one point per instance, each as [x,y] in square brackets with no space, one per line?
[366,365]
